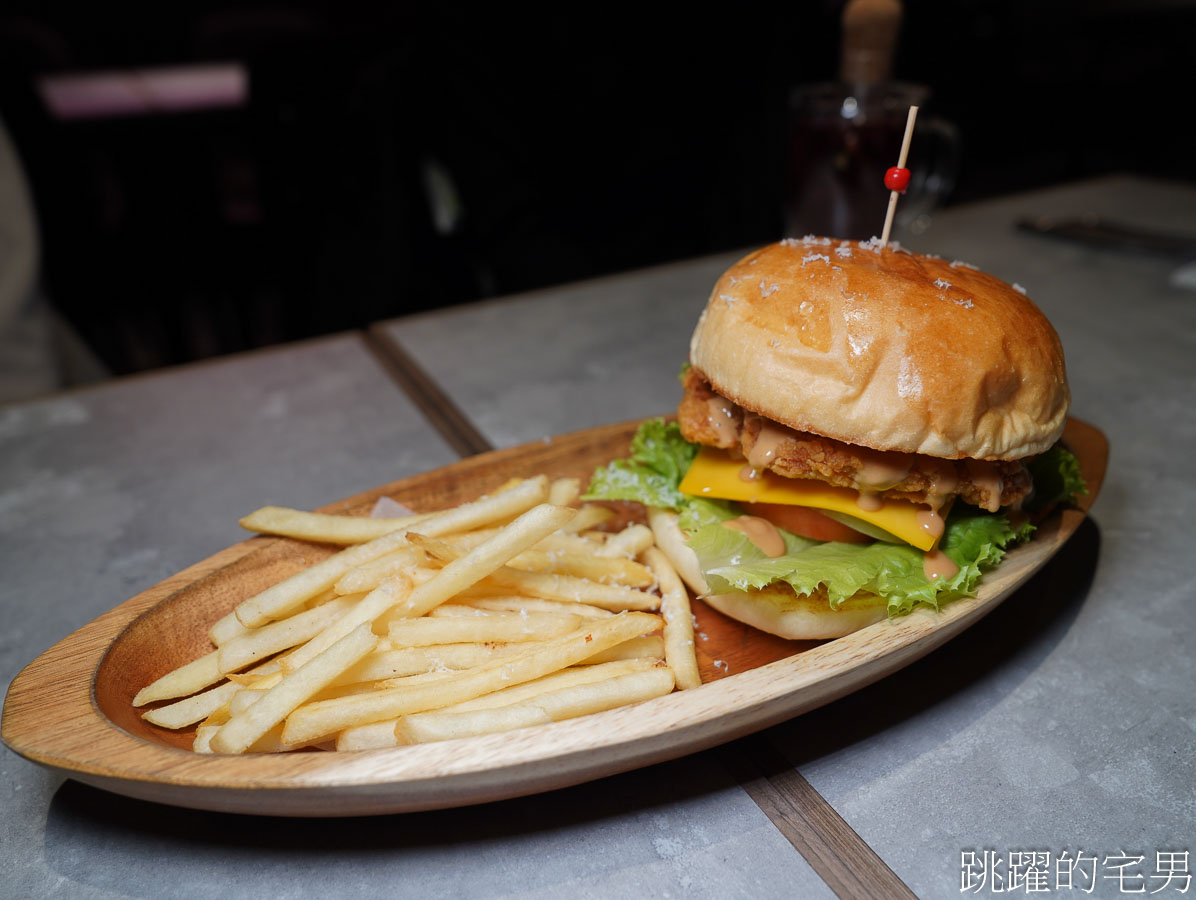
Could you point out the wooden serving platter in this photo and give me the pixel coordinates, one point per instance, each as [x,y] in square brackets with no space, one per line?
[70,708]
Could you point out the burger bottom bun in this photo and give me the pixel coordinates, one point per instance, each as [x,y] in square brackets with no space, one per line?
[778,610]
[775,609]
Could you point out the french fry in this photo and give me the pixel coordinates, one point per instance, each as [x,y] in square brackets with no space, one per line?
[369,575]
[384,664]
[322,527]
[279,600]
[281,635]
[387,664]
[485,558]
[203,738]
[446,726]
[198,707]
[497,626]
[606,570]
[579,590]
[516,603]
[497,507]
[247,696]
[570,677]
[382,734]
[456,610]
[368,737]
[252,677]
[550,587]
[588,517]
[650,646]
[678,621]
[564,491]
[316,720]
[669,539]
[225,629]
[192,709]
[553,543]
[569,555]
[270,742]
[242,700]
[392,590]
[500,613]
[552,706]
[240,731]
[630,542]
[183,681]
[217,717]
[320,599]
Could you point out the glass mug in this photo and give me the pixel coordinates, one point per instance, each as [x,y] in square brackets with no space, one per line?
[842,140]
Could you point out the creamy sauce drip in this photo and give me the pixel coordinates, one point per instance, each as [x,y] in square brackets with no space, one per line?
[760,532]
[937,564]
[720,412]
[882,470]
[879,471]
[869,501]
[747,473]
[931,522]
[944,479]
[768,440]
[987,477]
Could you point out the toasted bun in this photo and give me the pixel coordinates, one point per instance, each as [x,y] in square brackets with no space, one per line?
[885,349]
[775,609]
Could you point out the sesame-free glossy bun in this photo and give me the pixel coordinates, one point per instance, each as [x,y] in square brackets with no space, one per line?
[886,349]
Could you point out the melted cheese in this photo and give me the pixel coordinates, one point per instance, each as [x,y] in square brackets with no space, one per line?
[715,475]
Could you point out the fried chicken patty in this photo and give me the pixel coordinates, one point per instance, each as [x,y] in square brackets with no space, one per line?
[708,418]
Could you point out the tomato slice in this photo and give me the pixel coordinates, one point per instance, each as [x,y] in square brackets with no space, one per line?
[806,522]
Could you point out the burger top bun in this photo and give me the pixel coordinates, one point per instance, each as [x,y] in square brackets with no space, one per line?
[886,349]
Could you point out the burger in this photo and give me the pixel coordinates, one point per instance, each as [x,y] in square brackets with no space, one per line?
[863,430]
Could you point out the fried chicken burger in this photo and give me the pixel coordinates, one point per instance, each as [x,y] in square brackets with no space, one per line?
[860,430]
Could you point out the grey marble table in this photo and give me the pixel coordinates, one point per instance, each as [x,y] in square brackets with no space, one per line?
[1066,722]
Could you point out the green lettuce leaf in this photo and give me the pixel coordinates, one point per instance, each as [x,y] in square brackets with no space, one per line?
[696,512]
[725,548]
[1057,478]
[659,459]
[974,540]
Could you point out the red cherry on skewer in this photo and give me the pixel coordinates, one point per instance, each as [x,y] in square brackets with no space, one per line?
[897,179]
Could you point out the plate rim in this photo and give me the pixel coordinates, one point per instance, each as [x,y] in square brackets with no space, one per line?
[453,772]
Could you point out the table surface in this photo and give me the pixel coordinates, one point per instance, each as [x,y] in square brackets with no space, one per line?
[1066,721]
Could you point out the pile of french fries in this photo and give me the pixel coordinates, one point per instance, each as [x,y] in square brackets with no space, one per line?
[509,611]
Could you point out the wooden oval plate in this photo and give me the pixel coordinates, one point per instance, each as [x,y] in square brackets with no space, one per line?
[70,708]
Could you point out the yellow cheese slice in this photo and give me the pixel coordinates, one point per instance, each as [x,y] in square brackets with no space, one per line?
[714,474]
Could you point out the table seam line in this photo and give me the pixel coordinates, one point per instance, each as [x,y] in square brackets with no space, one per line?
[445,416]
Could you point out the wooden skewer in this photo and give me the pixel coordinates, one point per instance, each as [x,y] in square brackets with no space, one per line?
[909,133]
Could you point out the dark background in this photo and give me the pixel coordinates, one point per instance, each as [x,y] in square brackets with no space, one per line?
[578,143]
